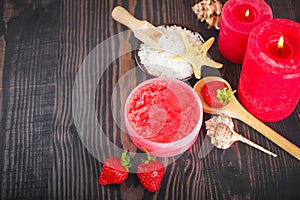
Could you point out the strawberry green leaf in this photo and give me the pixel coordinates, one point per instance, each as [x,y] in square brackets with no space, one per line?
[224,95]
[125,161]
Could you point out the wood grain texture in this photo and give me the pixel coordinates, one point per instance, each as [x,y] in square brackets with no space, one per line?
[41,153]
[27,103]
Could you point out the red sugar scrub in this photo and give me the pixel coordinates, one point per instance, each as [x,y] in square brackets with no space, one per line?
[163,115]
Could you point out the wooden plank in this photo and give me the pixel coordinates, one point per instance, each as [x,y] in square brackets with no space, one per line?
[27,103]
[26,141]
[74,170]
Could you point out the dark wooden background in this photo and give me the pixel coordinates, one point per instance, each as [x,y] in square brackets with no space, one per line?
[42,45]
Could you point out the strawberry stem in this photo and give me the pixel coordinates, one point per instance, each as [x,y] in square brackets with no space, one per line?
[125,161]
[224,95]
[149,157]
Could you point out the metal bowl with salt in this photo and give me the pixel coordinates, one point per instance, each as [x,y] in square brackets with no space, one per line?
[164,61]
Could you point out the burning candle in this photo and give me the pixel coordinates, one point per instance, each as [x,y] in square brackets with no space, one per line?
[238,18]
[247,13]
[269,85]
[280,44]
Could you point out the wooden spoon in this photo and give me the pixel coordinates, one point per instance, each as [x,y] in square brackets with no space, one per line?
[235,110]
[143,30]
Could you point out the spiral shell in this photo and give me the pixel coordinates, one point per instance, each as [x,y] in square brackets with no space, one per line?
[220,129]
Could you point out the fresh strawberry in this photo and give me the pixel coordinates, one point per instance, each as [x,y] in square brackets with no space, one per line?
[150,173]
[216,94]
[115,170]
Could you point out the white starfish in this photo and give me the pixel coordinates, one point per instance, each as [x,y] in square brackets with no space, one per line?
[197,55]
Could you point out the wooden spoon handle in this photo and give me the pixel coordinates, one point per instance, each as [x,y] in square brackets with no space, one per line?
[124,17]
[143,30]
[269,133]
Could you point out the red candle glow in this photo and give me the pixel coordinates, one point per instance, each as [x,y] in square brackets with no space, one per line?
[269,85]
[239,17]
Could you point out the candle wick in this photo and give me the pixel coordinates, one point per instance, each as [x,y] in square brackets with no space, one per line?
[279,50]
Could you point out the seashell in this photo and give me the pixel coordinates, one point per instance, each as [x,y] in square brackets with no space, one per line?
[209,11]
[221,131]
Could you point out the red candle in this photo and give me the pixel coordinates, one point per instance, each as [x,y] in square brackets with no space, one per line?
[238,18]
[269,85]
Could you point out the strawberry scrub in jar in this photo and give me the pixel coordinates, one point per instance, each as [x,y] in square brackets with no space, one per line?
[164,115]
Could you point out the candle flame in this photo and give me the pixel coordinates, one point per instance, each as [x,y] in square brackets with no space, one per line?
[280,43]
[247,13]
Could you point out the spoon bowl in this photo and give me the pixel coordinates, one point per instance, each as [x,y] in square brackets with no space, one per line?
[235,110]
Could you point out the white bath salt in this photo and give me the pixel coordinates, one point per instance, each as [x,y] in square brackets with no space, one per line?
[162,62]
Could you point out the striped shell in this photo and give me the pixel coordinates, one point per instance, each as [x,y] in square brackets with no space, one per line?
[220,129]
